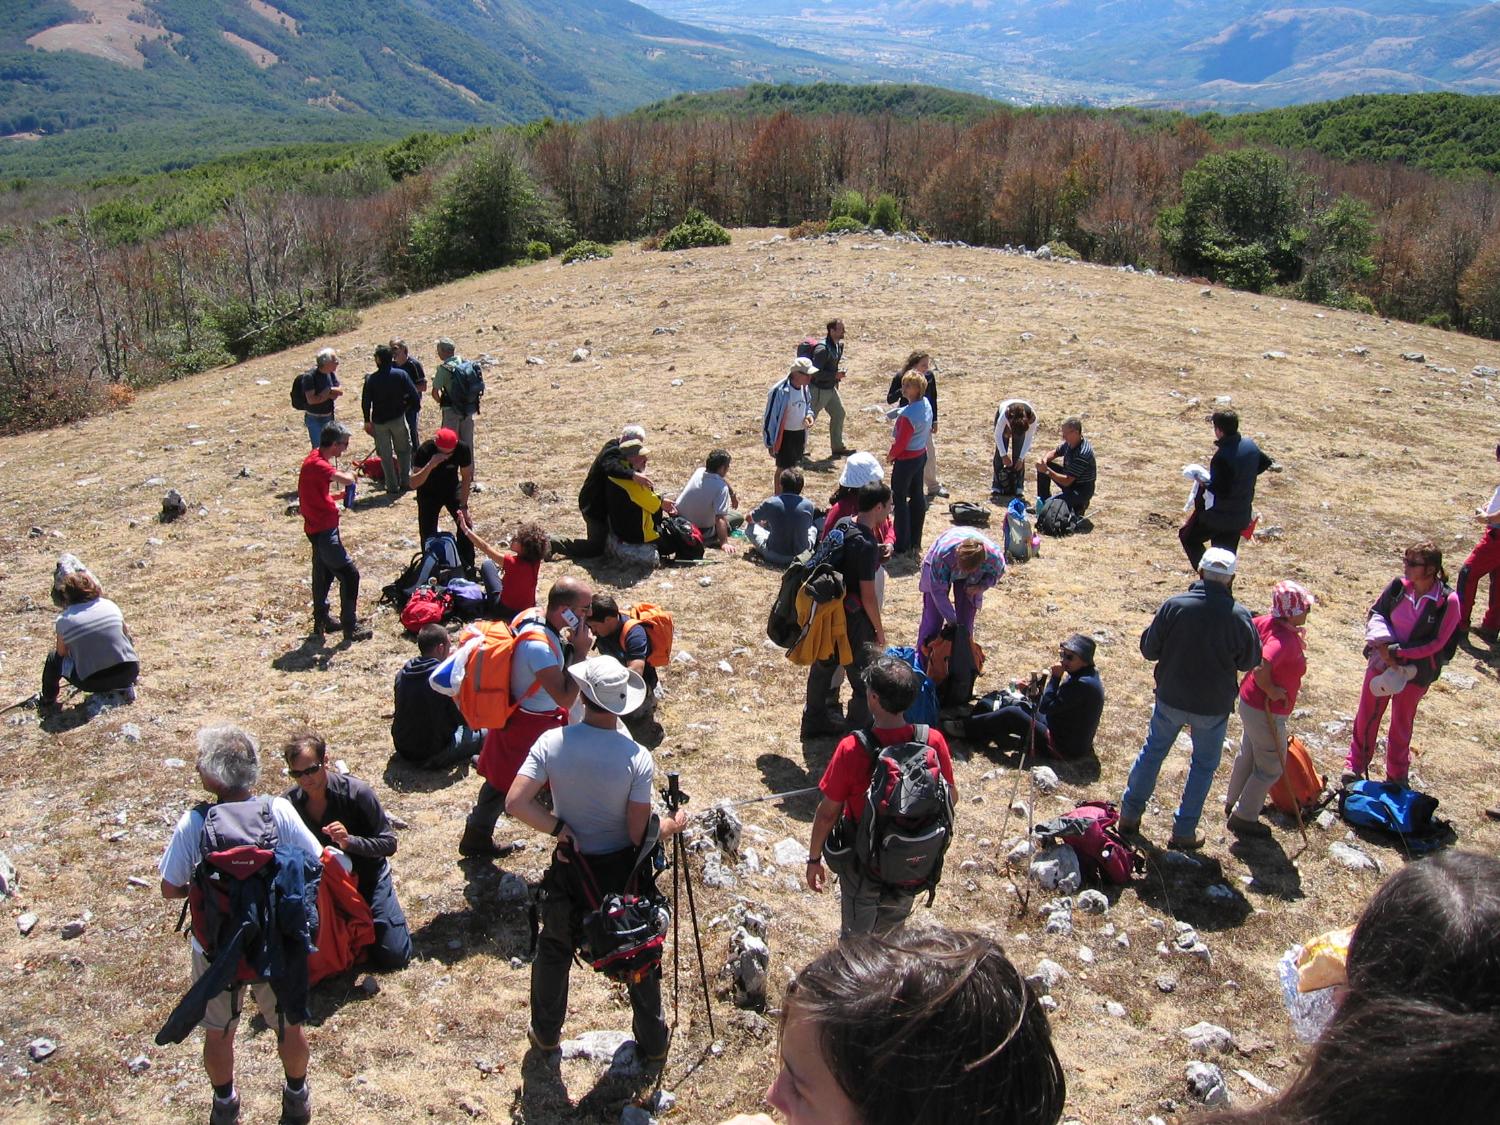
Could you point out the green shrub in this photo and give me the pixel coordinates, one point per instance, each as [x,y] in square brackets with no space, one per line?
[696,229]
[1063,251]
[812,228]
[585,251]
[538,251]
[849,204]
[886,213]
[845,224]
[273,326]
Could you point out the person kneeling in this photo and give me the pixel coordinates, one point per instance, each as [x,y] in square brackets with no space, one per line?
[1064,720]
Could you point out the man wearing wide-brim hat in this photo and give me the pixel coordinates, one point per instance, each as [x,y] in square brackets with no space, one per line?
[601,783]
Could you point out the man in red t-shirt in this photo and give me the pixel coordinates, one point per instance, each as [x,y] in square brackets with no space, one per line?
[867,905]
[320,519]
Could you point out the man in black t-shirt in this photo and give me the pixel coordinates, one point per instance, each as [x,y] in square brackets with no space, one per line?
[401,357]
[861,559]
[320,388]
[442,474]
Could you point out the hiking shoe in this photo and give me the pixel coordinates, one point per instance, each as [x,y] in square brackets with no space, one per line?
[824,726]
[225,1111]
[323,624]
[1490,635]
[939,492]
[1186,843]
[480,845]
[843,451]
[296,1107]
[1493,812]
[358,632]
[1348,777]
[1242,827]
[536,1041]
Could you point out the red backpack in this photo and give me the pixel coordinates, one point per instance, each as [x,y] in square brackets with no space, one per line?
[1102,852]
[426,606]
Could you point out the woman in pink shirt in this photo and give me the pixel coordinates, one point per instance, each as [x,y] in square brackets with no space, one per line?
[1267,696]
[1406,633]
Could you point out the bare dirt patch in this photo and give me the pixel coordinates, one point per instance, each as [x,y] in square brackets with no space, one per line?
[1378,451]
[114,30]
[274,15]
[258,54]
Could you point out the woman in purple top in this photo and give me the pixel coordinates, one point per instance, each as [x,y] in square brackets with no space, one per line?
[1406,632]
[960,566]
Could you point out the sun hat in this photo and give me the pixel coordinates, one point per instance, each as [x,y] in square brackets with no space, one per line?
[446,439]
[1216,560]
[1288,599]
[607,683]
[859,470]
[634,447]
[1392,680]
[1080,645]
[803,366]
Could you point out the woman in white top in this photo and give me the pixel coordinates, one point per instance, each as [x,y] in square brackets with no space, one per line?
[1015,428]
[94,649]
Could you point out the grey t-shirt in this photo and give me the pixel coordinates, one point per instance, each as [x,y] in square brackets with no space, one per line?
[594,773]
[95,635]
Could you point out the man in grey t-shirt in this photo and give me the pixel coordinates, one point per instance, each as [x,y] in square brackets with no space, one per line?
[600,781]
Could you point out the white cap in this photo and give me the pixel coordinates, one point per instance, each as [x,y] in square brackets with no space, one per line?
[1216,560]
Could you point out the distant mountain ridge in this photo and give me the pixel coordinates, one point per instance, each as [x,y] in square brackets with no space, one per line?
[105,75]
[1202,54]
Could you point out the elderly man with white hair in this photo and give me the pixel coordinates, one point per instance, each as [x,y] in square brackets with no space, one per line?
[320,390]
[229,768]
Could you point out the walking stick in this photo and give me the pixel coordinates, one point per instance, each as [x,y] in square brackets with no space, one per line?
[675,798]
[1282,744]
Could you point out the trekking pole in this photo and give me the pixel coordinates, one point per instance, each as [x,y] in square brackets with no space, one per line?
[790,793]
[1281,744]
[675,798]
[32,698]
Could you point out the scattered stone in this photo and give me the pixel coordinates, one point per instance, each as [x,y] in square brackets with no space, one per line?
[1020,850]
[130,732]
[173,763]
[1203,1036]
[137,881]
[726,828]
[1093,902]
[139,1065]
[1206,1082]
[1047,1004]
[1327,819]
[1273,532]
[35,533]
[635,1115]
[1045,778]
[26,923]
[1256,1084]
[597,1046]
[579,355]
[536,361]
[1221,892]
[1047,975]
[8,881]
[789,853]
[749,960]
[1205,292]
[662,330]
[172,506]
[1115,1009]
[73,929]
[1414,357]
[40,1049]
[1056,869]
[1350,856]
[294,508]
[1085,955]
[1483,372]
[661,1101]
[512,888]
[1166,984]
[715,874]
[1273,355]
[471,1105]
[1122,939]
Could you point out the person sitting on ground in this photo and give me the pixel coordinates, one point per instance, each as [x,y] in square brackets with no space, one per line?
[788,416]
[784,526]
[867,905]
[343,812]
[443,475]
[592,500]
[1423,991]
[620,636]
[1071,467]
[926,1026]
[708,500]
[427,728]
[635,511]
[921,363]
[511,587]
[1267,697]
[1015,430]
[94,651]
[1066,717]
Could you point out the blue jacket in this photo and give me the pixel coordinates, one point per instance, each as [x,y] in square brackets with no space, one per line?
[776,405]
[1071,708]
[1202,641]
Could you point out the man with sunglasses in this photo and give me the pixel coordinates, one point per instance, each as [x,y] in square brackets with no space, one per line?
[1066,717]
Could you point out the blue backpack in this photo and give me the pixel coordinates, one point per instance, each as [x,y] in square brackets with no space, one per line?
[925,709]
[1387,807]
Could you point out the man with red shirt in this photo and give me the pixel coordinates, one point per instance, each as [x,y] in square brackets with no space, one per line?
[320,519]
[867,905]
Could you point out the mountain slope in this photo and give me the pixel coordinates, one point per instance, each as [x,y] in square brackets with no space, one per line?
[106,76]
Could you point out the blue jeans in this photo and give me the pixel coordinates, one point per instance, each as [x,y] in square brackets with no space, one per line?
[315,424]
[1208,746]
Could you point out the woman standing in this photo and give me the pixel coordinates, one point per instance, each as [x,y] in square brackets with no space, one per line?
[921,363]
[908,457]
[1267,696]
[1406,633]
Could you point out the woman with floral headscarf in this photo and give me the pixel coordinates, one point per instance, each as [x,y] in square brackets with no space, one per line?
[1267,696]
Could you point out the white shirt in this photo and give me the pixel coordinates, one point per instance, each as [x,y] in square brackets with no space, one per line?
[594,773]
[798,407]
[1493,507]
[705,498]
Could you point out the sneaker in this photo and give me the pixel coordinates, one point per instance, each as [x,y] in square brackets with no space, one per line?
[1241,827]
[1186,843]
[358,632]
[939,492]
[225,1111]
[296,1108]
[536,1041]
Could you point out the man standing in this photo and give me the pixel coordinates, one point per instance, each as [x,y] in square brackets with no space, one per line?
[1223,513]
[454,391]
[405,361]
[320,389]
[787,416]
[320,520]
[387,396]
[592,500]
[708,500]
[821,714]
[1202,641]
[229,768]
[1071,467]
[866,904]
[600,781]
[539,683]
[443,475]
[828,364]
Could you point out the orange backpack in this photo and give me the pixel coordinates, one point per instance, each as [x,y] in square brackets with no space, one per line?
[658,625]
[1300,785]
[484,696]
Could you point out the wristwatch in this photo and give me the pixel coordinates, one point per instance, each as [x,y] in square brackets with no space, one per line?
[814,859]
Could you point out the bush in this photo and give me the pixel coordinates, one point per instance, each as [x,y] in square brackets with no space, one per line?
[886,213]
[1063,251]
[538,251]
[586,251]
[849,204]
[696,229]
[845,224]
[810,229]
[274,326]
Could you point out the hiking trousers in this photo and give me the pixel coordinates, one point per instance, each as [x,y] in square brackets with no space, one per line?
[868,906]
[909,502]
[823,693]
[393,444]
[1367,718]
[1483,560]
[591,546]
[827,398]
[330,561]
[460,423]
[1200,530]
[1258,764]
[114,678]
[392,948]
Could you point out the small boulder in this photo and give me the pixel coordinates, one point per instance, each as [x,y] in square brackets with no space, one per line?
[1347,855]
[1045,778]
[1204,1036]
[512,888]
[1056,868]
[40,1049]
[1047,975]
[8,882]
[1093,902]
[26,923]
[172,506]
[1414,357]
[74,929]
[1206,1083]
[139,1065]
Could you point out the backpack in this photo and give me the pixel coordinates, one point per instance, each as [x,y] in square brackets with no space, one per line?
[1017,532]
[819,571]
[658,625]
[906,826]
[299,394]
[678,538]
[371,468]
[436,563]
[253,909]
[1388,807]
[1055,517]
[427,606]
[468,598]
[967,514]
[483,693]
[1299,789]
[1102,852]
[623,932]
[925,709]
[807,346]
[465,386]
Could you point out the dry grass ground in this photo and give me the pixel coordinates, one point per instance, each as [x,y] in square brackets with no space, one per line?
[1378,452]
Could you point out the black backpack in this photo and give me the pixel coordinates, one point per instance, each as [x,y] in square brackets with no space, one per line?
[677,538]
[437,562]
[299,393]
[1056,517]
[820,570]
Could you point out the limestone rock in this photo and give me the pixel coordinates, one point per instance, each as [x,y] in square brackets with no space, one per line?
[1204,1036]
[1056,868]
[1206,1082]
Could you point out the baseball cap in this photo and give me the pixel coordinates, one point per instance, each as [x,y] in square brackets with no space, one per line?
[446,440]
[1218,561]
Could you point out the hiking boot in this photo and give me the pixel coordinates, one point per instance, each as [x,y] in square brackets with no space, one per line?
[478,844]
[1490,635]
[359,631]
[1186,843]
[823,726]
[1242,827]
[1128,827]
[843,451]
[225,1111]
[1348,777]
[1493,812]
[323,624]
[296,1106]
[939,492]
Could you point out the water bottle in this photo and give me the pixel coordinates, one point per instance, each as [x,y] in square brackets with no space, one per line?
[349,496]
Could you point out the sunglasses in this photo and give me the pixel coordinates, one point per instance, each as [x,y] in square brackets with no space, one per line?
[308,772]
[1064,654]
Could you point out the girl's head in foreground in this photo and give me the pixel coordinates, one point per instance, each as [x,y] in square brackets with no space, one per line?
[924,1026]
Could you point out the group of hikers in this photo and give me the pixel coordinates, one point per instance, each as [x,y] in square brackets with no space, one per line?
[571,757]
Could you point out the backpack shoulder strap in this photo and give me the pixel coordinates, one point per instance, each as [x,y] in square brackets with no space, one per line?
[649,843]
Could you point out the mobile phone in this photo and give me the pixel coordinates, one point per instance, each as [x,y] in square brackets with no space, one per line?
[570,619]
